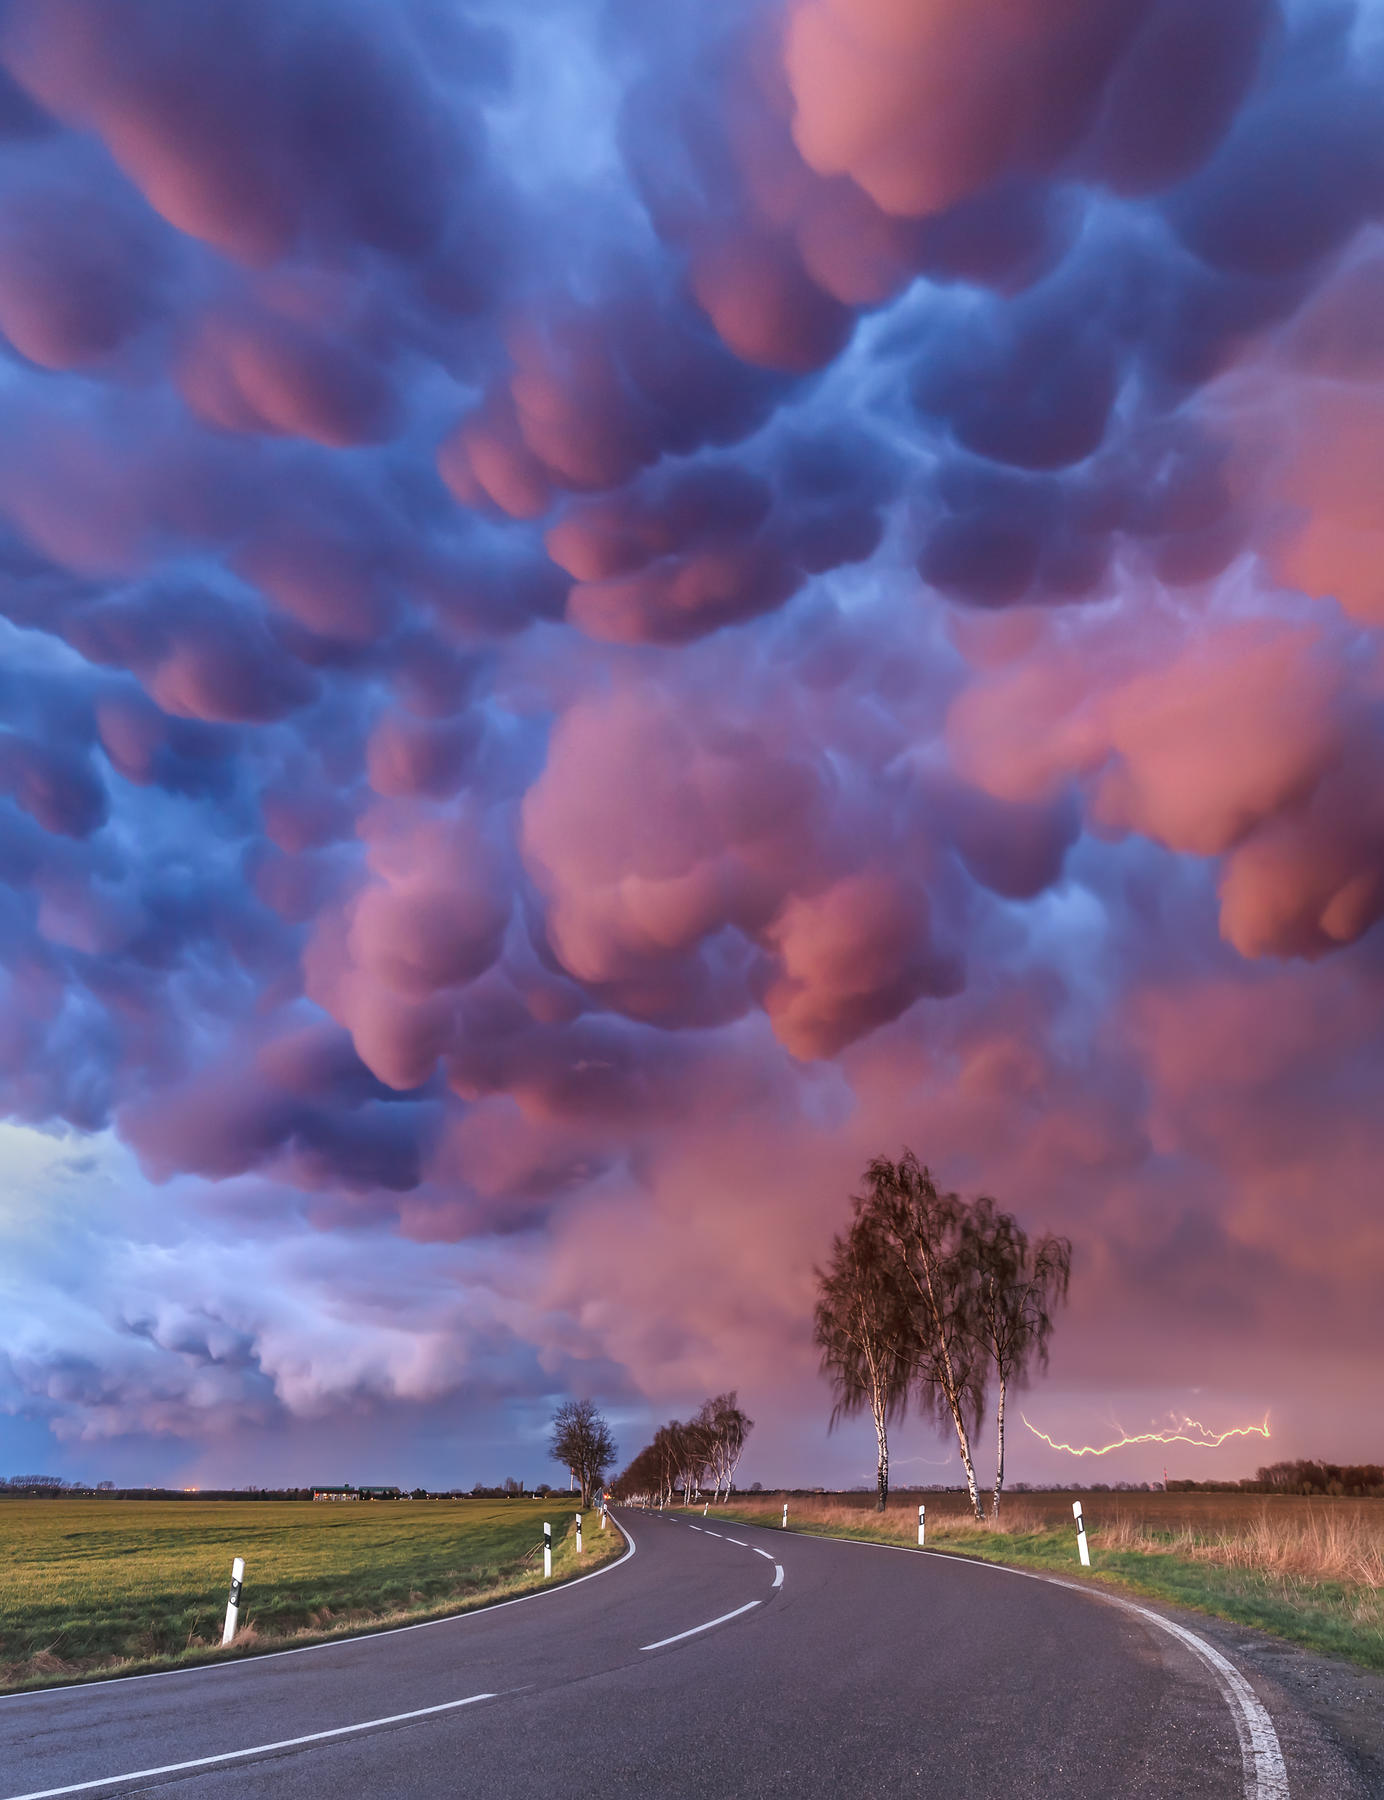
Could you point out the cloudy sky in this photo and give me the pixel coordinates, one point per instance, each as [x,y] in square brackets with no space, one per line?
[607,609]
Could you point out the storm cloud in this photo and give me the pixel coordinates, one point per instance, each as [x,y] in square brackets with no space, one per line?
[603,617]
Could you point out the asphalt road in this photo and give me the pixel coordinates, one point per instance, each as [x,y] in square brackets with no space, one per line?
[835,1669]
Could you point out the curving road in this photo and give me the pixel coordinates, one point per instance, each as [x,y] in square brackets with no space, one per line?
[709,1662]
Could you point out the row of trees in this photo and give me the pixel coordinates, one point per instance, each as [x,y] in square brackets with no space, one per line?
[692,1456]
[1306,1477]
[926,1299]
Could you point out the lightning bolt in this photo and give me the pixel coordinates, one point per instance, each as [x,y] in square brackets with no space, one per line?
[1205,1438]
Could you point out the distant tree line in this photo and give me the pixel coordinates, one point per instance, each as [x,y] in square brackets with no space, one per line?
[40,1486]
[693,1456]
[1364,1481]
[511,1488]
[926,1299]
[56,1488]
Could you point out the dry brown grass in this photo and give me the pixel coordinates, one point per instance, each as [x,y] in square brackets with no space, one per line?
[1287,1535]
[1318,1545]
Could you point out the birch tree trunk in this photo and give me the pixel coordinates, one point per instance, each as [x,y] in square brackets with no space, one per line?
[882,1433]
[999,1449]
[964,1440]
[949,1387]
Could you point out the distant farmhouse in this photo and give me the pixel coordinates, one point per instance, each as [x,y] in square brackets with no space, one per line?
[355,1493]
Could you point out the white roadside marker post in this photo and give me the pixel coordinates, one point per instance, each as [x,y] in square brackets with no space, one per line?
[578,1534]
[785,1515]
[547,1551]
[603,1515]
[706,1509]
[233,1602]
[1082,1551]
[922,1520]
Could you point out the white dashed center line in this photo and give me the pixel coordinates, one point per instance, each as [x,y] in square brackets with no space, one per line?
[680,1635]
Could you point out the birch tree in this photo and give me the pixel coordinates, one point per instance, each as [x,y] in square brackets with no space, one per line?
[862,1329]
[1018,1287]
[923,1230]
[727,1427]
[685,1453]
[668,1457]
[694,1450]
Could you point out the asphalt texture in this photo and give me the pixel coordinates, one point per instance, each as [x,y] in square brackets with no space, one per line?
[859,1671]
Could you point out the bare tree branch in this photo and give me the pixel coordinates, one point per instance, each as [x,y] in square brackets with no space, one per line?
[862,1328]
[1018,1288]
[581,1441]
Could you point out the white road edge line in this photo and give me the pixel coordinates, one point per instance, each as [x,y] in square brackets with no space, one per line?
[1265,1772]
[336,1643]
[675,1639]
[778,1575]
[206,1762]
[706,1533]
[743,1545]
[763,1553]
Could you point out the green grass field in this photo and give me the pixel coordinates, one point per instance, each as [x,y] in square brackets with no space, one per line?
[99,1587]
[1309,1570]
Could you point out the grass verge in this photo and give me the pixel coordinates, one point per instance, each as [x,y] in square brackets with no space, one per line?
[1306,1577]
[97,1589]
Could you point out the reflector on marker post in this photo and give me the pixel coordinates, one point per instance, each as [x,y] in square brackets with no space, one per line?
[547,1551]
[1082,1551]
[922,1512]
[233,1602]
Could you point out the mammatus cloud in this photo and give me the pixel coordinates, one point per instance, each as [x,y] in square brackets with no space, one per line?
[579,655]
